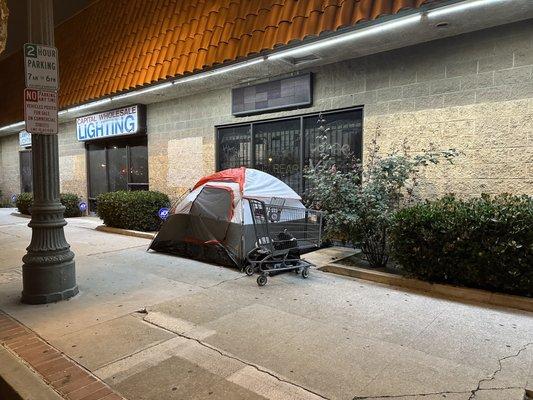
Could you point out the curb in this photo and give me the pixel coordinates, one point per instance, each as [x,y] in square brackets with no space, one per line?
[456,292]
[126,232]
[17,214]
[18,382]
[32,363]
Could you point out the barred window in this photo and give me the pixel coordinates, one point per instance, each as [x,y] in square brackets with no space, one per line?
[285,147]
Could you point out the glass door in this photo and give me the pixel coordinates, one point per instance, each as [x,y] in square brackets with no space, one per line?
[116,165]
[26,176]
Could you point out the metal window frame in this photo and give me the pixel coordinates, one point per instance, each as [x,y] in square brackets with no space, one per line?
[301,117]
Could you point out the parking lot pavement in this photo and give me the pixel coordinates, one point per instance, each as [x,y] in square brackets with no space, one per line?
[154,326]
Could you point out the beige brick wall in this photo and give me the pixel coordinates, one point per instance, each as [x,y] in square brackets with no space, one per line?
[495,139]
[471,92]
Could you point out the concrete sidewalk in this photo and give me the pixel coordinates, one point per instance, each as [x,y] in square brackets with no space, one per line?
[155,326]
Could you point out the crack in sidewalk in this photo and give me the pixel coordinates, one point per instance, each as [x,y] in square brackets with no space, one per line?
[115,250]
[431,393]
[250,364]
[224,281]
[407,395]
[472,392]
[499,369]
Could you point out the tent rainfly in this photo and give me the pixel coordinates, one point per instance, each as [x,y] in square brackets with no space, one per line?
[214,223]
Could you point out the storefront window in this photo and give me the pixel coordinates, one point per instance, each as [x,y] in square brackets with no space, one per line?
[26,177]
[117,165]
[138,167]
[277,150]
[234,146]
[343,132]
[276,146]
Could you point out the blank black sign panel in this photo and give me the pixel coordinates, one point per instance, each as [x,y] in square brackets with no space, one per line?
[292,92]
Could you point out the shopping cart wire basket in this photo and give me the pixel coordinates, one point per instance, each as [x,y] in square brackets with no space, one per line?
[282,234]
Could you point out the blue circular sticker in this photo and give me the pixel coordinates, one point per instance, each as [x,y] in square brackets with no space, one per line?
[14,198]
[82,206]
[163,213]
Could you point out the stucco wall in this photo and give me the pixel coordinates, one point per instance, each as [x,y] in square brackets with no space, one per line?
[72,168]
[472,92]
[72,161]
[9,165]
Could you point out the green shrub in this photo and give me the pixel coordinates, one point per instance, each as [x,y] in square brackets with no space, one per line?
[71,202]
[137,210]
[359,201]
[485,242]
[24,203]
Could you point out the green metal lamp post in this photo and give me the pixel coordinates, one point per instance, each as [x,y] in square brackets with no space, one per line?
[48,272]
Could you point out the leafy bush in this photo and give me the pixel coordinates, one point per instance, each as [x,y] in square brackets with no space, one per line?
[360,201]
[135,210]
[24,203]
[69,200]
[485,242]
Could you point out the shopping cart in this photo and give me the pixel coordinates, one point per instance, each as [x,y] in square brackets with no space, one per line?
[282,234]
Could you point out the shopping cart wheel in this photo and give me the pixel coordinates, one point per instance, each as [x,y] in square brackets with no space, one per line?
[249,270]
[305,272]
[261,280]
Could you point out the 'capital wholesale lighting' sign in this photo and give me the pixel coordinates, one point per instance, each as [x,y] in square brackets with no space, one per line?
[122,121]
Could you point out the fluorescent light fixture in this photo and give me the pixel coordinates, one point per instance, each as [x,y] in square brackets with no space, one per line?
[218,71]
[13,126]
[194,77]
[142,91]
[371,30]
[88,105]
[457,7]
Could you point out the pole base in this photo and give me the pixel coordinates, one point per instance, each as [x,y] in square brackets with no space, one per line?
[48,283]
[49,297]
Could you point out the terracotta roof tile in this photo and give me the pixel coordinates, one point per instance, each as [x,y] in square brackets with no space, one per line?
[157,39]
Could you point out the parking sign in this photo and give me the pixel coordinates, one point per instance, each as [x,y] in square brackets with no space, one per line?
[41,67]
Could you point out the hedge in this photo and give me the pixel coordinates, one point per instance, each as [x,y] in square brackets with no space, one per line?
[24,202]
[69,200]
[485,242]
[136,210]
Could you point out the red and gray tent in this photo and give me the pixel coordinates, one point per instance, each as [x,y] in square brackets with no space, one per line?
[214,223]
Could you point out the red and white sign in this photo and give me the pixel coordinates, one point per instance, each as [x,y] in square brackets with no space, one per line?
[40,111]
